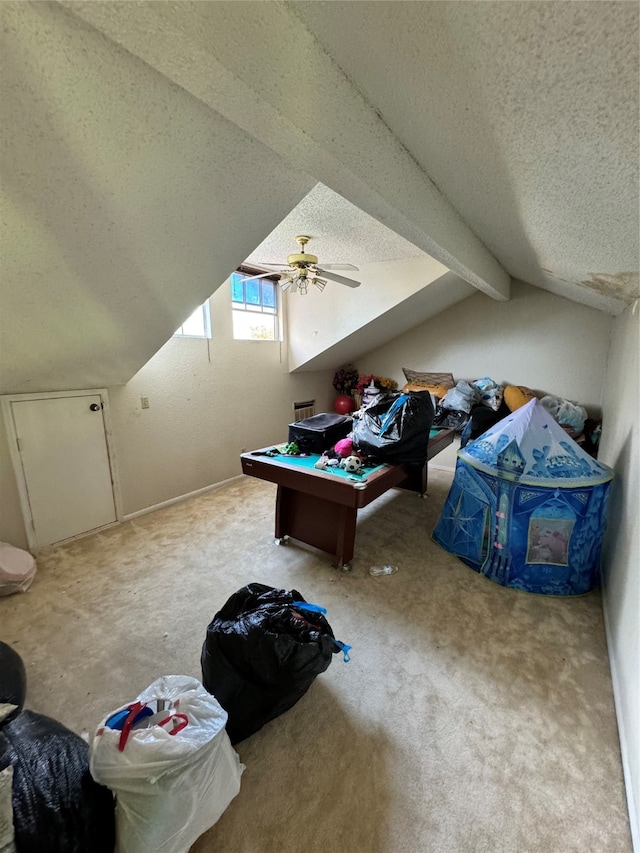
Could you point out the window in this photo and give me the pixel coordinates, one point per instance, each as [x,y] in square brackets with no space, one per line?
[198,325]
[254,304]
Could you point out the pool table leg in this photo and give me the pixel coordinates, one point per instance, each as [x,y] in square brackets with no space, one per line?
[346,537]
[326,525]
[416,479]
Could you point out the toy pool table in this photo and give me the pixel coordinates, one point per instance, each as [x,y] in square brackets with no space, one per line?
[320,507]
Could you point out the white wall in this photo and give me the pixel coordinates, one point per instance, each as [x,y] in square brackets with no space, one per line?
[207,400]
[621,564]
[543,341]
[316,325]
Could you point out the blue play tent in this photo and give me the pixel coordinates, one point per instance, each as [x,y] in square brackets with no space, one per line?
[527,506]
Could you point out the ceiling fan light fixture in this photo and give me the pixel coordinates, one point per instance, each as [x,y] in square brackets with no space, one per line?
[297,282]
[305,270]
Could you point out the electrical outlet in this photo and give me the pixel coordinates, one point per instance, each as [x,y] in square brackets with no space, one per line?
[144,402]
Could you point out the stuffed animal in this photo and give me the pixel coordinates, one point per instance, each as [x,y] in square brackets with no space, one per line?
[352,465]
[344,447]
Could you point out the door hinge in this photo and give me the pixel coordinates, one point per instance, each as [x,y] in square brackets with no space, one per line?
[19,443]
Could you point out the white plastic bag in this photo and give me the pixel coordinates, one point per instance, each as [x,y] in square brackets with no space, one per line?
[170,788]
[566,413]
[461,398]
[17,569]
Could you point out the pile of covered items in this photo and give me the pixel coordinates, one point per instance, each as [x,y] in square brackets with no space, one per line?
[473,407]
[49,803]
[167,755]
[527,506]
[467,407]
[161,768]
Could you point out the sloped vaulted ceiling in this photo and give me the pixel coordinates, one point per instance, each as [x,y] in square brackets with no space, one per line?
[124,203]
[523,114]
[150,147]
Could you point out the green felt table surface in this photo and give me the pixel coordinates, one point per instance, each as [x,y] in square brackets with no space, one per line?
[308,462]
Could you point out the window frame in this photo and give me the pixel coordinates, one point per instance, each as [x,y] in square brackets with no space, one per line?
[245,307]
[206,320]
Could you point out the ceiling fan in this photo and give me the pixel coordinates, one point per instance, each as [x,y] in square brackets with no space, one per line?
[304,270]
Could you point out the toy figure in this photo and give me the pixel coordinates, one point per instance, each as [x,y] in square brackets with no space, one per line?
[322,463]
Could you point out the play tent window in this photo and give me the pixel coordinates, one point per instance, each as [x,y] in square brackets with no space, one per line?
[548,540]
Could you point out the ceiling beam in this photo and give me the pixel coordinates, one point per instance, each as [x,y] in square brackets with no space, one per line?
[257,64]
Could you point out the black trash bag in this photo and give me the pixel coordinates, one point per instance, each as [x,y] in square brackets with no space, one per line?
[13,681]
[57,806]
[482,418]
[450,419]
[395,428]
[261,655]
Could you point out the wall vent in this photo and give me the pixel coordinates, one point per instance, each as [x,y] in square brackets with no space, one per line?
[304,409]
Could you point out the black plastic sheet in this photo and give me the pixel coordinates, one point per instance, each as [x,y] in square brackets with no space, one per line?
[13,680]
[57,806]
[450,419]
[395,428]
[482,418]
[261,655]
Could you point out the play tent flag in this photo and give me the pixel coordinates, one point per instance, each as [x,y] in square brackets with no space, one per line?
[527,506]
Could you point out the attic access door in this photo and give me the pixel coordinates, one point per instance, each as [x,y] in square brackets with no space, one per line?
[63,465]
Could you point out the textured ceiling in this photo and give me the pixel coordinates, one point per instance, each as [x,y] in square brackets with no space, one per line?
[524,115]
[149,148]
[340,233]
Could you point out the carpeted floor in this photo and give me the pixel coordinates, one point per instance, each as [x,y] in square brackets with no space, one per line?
[471,718]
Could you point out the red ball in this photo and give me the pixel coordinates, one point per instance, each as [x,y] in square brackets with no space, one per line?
[344,404]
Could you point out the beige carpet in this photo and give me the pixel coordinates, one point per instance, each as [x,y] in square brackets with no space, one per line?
[471,717]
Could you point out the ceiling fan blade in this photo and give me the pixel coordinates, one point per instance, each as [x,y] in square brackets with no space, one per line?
[339,267]
[277,266]
[339,278]
[263,275]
